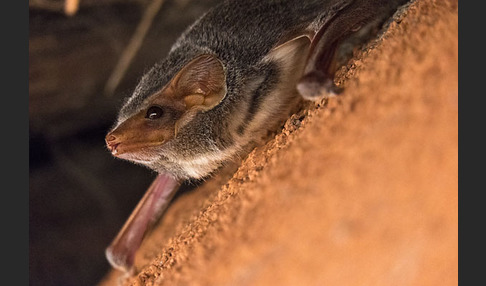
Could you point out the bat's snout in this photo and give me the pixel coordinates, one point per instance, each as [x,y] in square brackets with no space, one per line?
[112,142]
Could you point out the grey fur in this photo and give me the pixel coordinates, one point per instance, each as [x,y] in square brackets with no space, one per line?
[241,34]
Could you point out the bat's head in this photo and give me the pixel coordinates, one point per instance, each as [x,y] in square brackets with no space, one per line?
[147,130]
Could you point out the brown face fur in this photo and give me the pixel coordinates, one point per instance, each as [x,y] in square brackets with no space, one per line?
[139,132]
[199,86]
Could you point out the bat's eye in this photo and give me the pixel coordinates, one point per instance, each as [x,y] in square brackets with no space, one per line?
[154,112]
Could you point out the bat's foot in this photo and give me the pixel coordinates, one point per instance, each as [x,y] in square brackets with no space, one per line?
[317,85]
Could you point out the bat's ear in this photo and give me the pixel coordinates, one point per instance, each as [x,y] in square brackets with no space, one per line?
[291,51]
[201,83]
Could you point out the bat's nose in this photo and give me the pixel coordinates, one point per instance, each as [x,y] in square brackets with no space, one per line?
[110,138]
[112,142]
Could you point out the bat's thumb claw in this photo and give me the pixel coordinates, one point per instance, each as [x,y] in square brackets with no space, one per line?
[316,85]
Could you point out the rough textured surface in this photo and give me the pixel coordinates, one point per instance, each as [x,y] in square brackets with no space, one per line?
[358,190]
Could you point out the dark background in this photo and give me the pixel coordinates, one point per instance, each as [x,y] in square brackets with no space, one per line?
[79,195]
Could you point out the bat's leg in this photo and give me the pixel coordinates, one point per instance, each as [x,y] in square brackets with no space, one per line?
[321,65]
[121,252]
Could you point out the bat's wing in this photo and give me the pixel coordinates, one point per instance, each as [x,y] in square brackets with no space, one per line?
[341,26]
[121,252]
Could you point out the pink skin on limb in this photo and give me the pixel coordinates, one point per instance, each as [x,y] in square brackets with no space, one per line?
[121,252]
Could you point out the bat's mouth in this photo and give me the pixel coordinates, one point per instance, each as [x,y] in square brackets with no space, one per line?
[113,149]
[122,149]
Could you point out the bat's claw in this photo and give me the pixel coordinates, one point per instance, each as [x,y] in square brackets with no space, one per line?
[316,85]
